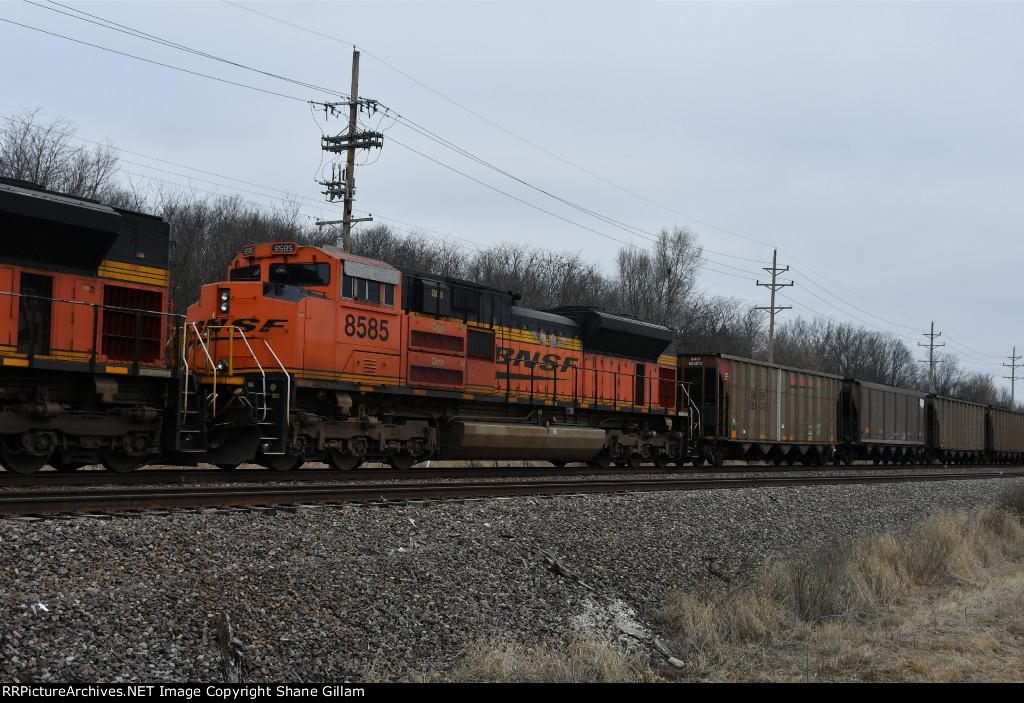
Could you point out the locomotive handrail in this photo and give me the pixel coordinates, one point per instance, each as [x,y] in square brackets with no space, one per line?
[263,375]
[183,334]
[212,365]
[288,385]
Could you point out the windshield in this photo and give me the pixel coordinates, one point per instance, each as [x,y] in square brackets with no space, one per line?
[300,274]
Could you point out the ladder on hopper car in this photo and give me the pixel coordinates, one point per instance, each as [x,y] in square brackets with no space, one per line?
[694,420]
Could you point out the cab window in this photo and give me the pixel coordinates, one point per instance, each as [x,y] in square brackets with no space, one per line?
[245,273]
[367,291]
[302,274]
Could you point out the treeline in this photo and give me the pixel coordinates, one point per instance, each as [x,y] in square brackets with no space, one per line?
[656,283]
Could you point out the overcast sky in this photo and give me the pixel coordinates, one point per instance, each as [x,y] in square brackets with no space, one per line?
[877,145]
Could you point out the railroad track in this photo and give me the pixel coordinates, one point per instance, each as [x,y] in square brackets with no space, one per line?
[42,501]
[160,475]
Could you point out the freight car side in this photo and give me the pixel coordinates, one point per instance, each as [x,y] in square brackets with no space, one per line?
[955,431]
[753,410]
[881,423]
[1004,436]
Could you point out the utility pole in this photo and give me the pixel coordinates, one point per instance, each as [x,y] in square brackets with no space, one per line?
[1013,366]
[343,185]
[773,308]
[931,355]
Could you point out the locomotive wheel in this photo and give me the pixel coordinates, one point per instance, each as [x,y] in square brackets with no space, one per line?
[15,459]
[282,462]
[66,467]
[402,461]
[344,462]
[118,462]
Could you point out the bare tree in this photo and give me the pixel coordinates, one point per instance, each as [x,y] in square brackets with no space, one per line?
[721,324]
[208,232]
[415,251]
[978,388]
[658,285]
[46,153]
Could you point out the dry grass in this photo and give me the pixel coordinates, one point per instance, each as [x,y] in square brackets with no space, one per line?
[583,660]
[945,603]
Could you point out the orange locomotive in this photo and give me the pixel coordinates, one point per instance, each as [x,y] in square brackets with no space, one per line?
[309,353]
[83,287]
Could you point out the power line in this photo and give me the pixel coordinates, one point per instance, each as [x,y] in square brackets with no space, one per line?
[83,16]
[151,61]
[423,132]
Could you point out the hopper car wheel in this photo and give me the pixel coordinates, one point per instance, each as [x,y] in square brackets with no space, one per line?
[635,461]
[402,461]
[602,461]
[118,462]
[14,458]
[227,467]
[559,464]
[282,462]
[661,460]
[698,461]
[66,467]
[344,462]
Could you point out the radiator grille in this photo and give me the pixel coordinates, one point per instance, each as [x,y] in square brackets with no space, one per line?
[435,376]
[126,329]
[436,342]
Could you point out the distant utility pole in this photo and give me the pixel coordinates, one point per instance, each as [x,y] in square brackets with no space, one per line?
[773,308]
[342,185]
[931,355]
[1013,366]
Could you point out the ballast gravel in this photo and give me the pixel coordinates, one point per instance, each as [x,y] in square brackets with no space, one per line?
[346,593]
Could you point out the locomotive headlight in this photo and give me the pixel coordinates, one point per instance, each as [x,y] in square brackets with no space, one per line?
[225,297]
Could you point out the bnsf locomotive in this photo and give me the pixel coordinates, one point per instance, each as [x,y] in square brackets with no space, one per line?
[303,353]
[84,377]
[347,359]
[312,354]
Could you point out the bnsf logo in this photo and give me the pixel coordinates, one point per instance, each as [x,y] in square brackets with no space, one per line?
[246,324]
[549,362]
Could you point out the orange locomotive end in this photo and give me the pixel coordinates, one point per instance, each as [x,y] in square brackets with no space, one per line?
[83,373]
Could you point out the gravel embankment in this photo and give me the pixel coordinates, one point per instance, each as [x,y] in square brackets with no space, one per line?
[339,593]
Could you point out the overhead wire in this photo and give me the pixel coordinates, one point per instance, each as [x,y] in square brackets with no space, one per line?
[84,16]
[151,61]
[440,140]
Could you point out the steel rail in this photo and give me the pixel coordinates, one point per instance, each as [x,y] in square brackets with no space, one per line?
[37,502]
